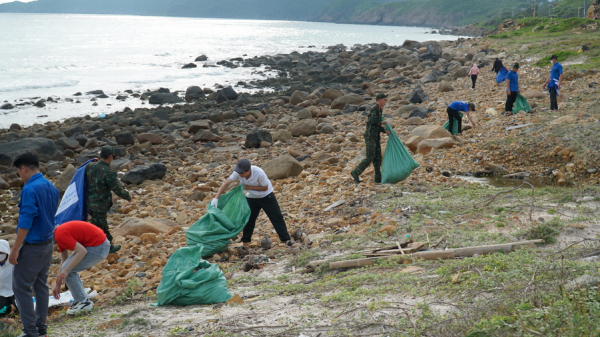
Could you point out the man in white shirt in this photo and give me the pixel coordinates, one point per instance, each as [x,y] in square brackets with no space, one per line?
[259,193]
[7,297]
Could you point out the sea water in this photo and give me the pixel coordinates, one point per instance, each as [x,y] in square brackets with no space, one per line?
[58,55]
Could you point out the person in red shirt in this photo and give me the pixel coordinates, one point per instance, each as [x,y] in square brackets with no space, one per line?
[89,246]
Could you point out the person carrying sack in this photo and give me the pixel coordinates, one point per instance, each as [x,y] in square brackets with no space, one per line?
[453,115]
[375,127]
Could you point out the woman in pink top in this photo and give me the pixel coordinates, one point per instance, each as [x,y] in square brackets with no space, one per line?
[473,73]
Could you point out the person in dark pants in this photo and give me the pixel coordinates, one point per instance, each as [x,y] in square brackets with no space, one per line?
[554,82]
[101,181]
[512,89]
[32,253]
[7,297]
[473,73]
[259,194]
[497,65]
[375,126]
[453,114]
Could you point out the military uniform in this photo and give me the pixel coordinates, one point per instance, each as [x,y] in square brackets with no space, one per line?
[373,144]
[101,181]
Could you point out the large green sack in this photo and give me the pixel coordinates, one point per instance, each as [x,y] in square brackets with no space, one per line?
[188,280]
[397,164]
[454,130]
[521,104]
[219,224]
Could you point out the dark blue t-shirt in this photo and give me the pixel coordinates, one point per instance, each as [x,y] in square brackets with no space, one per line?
[557,69]
[39,201]
[514,80]
[459,106]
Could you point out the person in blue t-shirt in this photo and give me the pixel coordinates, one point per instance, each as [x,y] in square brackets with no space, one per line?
[512,89]
[32,252]
[454,108]
[554,82]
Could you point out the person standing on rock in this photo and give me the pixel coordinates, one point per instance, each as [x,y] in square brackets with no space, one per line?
[101,181]
[473,73]
[32,252]
[375,126]
[259,194]
[453,114]
[554,82]
[89,246]
[512,89]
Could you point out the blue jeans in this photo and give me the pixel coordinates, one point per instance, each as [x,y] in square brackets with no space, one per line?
[93,256]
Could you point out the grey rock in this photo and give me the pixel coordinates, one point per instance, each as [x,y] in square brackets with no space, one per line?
[64,179]
[141,173]
[418,95]
[194,93]
[125,138]
[73,130]
[254,138]
[164,98]
[7,106]
[45,149]
[68,143]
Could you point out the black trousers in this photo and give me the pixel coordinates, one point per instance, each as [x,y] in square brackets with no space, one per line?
[510,101]
[553,99]
[6,305]
[271,207]
[473,79]
[452,114]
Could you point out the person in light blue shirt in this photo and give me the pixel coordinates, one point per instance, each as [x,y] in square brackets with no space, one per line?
[32,252]
[512,89]
[554,82]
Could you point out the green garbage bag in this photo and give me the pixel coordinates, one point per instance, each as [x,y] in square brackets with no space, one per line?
[454,130]
[521,104]
[397,164]
[215,228]
[188,280]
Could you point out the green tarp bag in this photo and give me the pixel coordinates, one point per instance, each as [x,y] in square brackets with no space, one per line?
[521,104]
[454,130]
[221,223]
[397,164]
[188,280]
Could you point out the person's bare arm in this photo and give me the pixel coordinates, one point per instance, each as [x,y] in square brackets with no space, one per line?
[79,252]
[223,188]
[471,119]
[508,87]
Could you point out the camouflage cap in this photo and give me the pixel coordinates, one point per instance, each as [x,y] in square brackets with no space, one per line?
[106,151]
[380,96]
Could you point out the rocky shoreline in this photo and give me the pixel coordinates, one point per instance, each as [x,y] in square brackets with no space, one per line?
[307,135]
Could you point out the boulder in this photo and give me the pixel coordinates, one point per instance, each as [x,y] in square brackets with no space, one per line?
[255,137]
[45,149]
[282,135]
[417,95]
[282,167]
[216,116]
[189,65]
[196,126]
[137,227]
[15,126]
[414,121]
[331,94]
[194,92]
[431,132]
[7,106]
[298,97]
[325,128]
[205,136]
[64,179]
[433,52]
[413,142]
[141,173]
[4,185]
[73,130]
[201,58]
[226,94]
[433,76]
[125,138]
[420,113]
[426,145]
[305,127]
[460,73]
[67,143]
[164,98]
[304,114]
[445,86]
[532,93]
[153,138]
[340,102]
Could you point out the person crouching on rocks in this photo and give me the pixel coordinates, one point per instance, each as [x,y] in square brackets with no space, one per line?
[7,297]
[453,114]
[375,127]
[89,246]
[259,194]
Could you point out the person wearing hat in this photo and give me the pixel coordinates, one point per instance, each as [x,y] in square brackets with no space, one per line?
[512,89]
[7,297]
[260,196]
[453,114]
[101,181]
[554,82]
[375,126]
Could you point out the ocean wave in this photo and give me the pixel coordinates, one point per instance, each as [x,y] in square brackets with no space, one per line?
[71,83]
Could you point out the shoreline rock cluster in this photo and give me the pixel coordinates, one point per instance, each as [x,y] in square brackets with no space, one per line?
[307,136]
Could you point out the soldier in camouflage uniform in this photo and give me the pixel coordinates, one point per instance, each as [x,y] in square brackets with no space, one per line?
[375,126]
[101,181]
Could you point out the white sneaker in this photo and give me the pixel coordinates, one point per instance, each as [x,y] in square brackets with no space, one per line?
[78,307]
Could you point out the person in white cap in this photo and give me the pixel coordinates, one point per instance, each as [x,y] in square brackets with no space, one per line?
[7,297]
[259,193]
